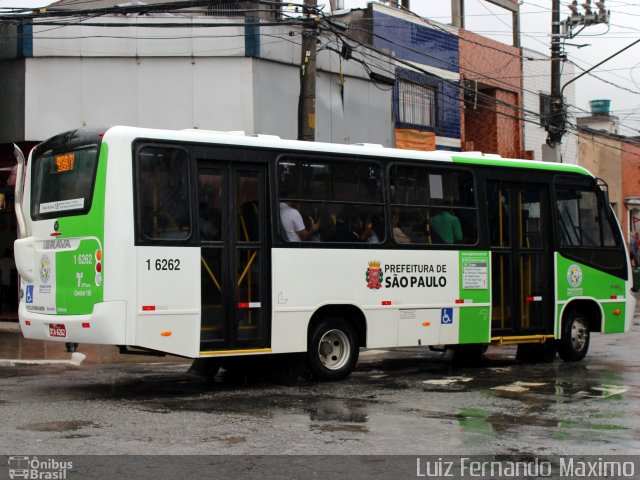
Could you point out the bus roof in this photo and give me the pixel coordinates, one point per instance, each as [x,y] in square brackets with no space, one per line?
[359,149]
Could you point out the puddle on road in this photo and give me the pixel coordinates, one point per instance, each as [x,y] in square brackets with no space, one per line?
[475,420]
[338,410]
[59,426]
[604,391]
[518,387]
[446,382]
[77,435]
[336,427]
[489,423]
[231,441]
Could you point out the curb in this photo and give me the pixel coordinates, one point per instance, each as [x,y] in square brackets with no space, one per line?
[76,359]
[12,327]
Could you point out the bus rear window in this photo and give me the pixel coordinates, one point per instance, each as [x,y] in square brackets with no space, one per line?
[62,183]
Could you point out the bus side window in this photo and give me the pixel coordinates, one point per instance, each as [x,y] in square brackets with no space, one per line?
[344,201]
[577,218]
[585,227]
[433,205]
[163,194]
[209,205]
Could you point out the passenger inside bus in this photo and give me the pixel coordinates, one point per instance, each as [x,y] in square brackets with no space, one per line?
[293,227]
[398,234]
[445,227]
[356,229]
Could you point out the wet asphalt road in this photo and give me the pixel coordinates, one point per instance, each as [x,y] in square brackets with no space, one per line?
[408,401]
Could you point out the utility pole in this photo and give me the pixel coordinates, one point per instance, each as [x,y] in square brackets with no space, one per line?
[556,123]
[561,30]
[307,101]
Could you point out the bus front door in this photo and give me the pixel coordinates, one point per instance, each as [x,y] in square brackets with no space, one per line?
[232,206]
[521,259]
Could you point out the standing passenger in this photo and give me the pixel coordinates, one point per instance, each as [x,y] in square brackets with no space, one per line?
[447,226]
[293,226]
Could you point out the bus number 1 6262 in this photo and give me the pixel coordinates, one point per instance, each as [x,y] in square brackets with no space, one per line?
[163,264]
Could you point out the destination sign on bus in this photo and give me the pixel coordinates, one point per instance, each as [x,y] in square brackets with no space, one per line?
[65,162]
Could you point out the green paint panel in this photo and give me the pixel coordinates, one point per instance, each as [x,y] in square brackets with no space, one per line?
[578,280]
[475,325]
[614,323]
[78,284]
[475,283]
[504,162]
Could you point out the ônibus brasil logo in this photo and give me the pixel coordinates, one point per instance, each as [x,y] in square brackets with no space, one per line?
[374,275]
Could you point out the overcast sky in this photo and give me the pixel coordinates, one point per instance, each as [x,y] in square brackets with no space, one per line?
[623,71]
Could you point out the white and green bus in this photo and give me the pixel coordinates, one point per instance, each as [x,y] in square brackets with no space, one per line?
[214,245]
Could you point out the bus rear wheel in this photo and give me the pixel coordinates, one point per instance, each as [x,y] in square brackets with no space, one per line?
[574,344]
[332,351]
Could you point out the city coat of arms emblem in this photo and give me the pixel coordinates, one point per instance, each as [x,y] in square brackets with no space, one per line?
[374,275]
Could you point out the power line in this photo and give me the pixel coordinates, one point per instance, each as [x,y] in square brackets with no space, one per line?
[574,129]
[460,68]
[223,24]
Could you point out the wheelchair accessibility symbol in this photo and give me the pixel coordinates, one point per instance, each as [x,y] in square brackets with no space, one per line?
[29,295]
[446,316]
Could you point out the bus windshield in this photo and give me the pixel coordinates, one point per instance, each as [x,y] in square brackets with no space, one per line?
[63,183]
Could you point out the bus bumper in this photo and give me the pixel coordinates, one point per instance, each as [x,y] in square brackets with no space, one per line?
[105,326]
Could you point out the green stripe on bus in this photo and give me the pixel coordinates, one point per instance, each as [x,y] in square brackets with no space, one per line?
[505,162]
[576,280]
[475,283]
[76,288]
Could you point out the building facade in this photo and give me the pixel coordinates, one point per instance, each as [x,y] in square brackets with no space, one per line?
[491,74]
[217,78]
[426,93]
[536,84]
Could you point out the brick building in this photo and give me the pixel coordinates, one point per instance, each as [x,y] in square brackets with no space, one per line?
[463,89]
[492,75]
[615,159]
[601,155]
[630,218]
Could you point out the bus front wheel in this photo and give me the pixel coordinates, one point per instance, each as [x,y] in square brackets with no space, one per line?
[332,351]
[574,344]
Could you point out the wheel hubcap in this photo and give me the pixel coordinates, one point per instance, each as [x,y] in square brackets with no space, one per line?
[579,334]
[334,349]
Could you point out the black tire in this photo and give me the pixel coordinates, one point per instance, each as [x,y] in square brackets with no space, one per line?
[574,343]
[204,368]
[332,350]
[537,352]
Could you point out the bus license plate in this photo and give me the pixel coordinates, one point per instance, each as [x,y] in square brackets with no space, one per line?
[57,330]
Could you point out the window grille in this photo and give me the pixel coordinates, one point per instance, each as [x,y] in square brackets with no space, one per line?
[417,104]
